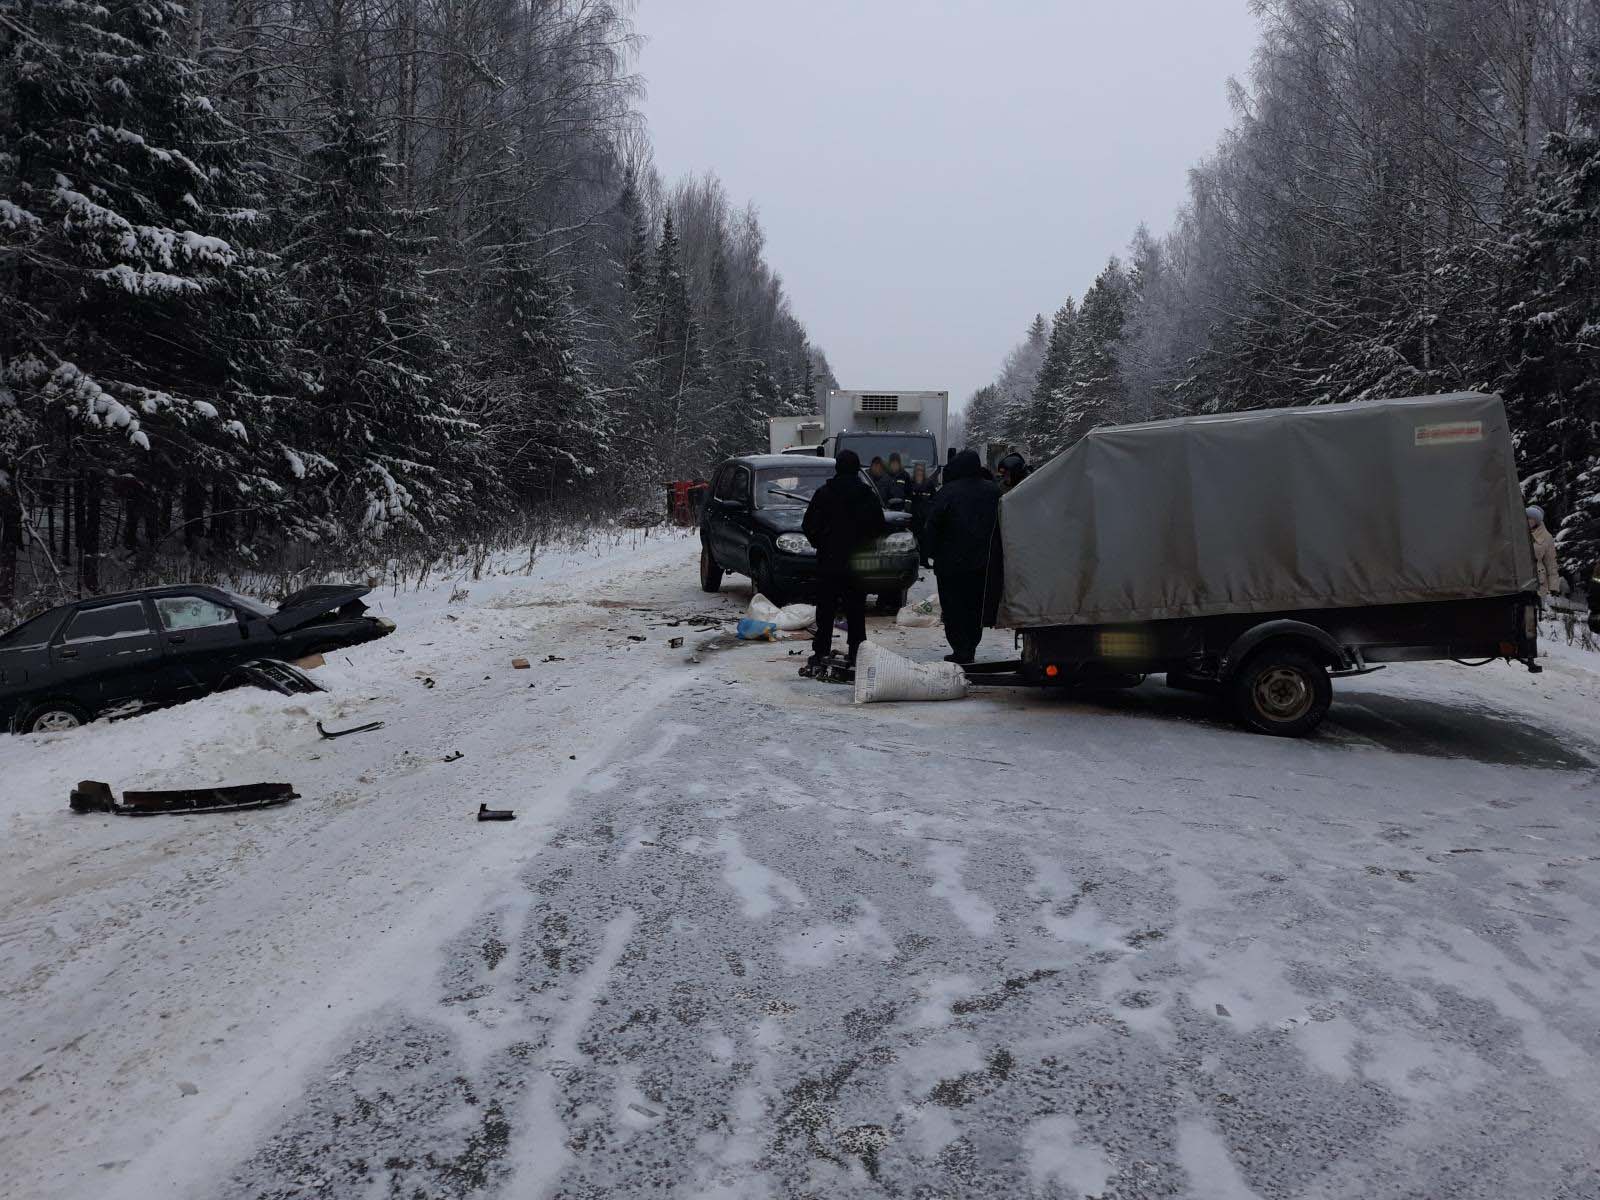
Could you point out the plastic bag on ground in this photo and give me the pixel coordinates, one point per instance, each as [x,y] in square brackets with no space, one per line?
[921,615]
[882,675]
[789,617]
[752,630]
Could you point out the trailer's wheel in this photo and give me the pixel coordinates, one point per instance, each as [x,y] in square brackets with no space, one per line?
[1281,692]
[710,573]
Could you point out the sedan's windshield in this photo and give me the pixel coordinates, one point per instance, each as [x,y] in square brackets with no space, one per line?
[911,447]
[778,486]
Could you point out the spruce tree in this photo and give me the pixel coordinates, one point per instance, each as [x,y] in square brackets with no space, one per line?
[1043,419]
[1094,393]
[135,339]
[1553,390]
[380,434]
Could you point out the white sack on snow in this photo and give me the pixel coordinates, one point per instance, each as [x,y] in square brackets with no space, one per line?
[921,615]
[883,675]
[787,618]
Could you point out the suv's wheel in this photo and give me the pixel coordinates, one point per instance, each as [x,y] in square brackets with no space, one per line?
[892,602]
[761,576]
[710,573]
[1281,692]
[53,716]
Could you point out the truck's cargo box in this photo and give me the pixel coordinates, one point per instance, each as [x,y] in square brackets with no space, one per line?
[1375,502]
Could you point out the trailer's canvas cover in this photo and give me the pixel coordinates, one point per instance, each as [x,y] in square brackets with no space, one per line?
[1374,502]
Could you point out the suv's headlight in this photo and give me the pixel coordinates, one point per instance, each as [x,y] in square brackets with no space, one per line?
[795,543]
[899,542]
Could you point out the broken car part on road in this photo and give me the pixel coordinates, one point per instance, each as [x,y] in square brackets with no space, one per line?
[91,796]
[330,734]
[485,813]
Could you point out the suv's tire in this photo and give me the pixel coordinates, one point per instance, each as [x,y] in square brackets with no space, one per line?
[1282,692]
[53,716]
[710,573]
[761,576]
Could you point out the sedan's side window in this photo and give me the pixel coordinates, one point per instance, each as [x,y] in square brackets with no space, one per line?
[192,612]
[107,621]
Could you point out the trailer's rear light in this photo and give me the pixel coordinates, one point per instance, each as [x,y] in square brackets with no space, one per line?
[1051,671]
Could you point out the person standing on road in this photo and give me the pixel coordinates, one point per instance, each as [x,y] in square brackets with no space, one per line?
[843,517]
[1012,470]
[1544,553]
[960,523]
[922,493]
[899,483]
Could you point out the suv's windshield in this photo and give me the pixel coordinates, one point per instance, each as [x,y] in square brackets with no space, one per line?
[912,448]
[777,486]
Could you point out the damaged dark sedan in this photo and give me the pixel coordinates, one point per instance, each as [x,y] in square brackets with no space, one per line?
[123,653]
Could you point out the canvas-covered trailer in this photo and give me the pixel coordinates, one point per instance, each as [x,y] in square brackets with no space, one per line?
[1262,554]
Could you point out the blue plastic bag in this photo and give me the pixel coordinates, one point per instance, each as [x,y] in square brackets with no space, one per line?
[752,630]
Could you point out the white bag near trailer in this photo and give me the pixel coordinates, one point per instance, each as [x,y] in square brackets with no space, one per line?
[923,614]
[788,618]
[882,675]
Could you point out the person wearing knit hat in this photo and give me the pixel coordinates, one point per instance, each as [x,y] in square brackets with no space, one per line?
[1544,553]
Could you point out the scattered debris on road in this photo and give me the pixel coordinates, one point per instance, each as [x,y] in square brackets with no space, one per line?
[675,643]
[519,664]
[310,662]
[92,796]
[455,756]
[330,734]
[485,813]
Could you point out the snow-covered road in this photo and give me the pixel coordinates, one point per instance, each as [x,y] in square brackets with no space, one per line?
[745,939]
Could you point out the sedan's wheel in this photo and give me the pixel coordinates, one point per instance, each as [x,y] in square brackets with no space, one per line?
[710,573]
[1282,692]
[55,717]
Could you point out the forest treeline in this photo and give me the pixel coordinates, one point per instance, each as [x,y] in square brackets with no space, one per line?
[1408,201]
[345,272]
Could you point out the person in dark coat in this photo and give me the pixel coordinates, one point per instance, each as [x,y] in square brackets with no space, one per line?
[843,518]
[960,522]
[899,488]
[922,493]
[1012,469]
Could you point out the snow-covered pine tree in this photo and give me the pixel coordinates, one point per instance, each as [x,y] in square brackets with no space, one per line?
[1018,376]
[1094,393]
[548,424]
[1553,390]
[133,336]
[1043,420]
[981,418]
[678,364]
[390,448]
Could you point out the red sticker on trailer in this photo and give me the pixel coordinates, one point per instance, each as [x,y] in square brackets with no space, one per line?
[1449,432]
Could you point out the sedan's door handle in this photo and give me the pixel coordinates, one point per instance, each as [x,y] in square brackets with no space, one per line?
[175,637]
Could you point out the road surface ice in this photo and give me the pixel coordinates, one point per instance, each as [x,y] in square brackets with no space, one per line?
[745,939]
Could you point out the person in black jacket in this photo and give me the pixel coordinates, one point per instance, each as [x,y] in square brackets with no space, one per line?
[1012,470]
[923,491]
[844,516]
[961,520]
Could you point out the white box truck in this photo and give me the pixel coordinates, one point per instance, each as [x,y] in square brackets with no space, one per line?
[876,424]
[794,435]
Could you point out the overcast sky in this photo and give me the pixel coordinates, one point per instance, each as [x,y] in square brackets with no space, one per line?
[931,173]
